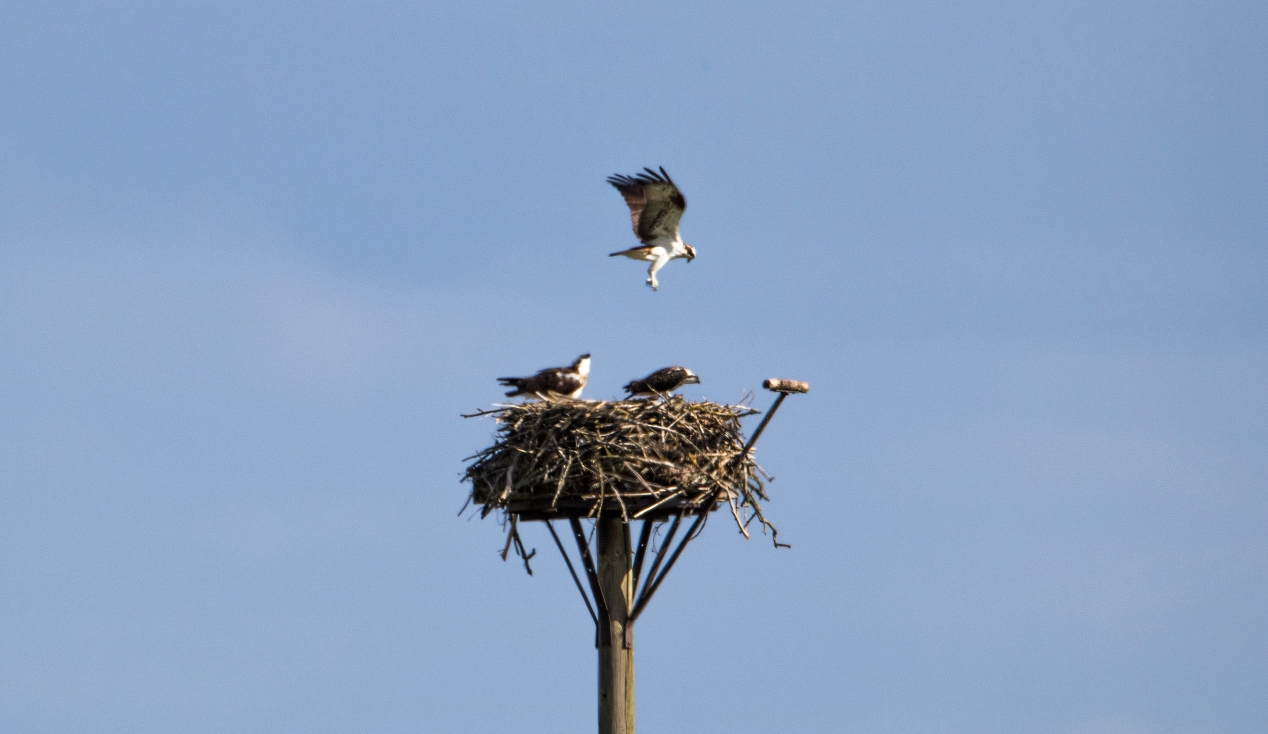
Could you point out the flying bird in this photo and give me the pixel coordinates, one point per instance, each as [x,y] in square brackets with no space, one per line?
[553,381]
[655,205]
[661,382]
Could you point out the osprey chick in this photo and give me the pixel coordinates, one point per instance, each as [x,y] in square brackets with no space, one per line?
[553,381]
[661,382]
[655,205]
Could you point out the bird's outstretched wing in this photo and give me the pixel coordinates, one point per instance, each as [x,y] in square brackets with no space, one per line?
[655,203]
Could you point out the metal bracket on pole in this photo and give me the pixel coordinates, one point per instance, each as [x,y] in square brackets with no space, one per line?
[603,633]
[643,538]
[653,580]
[584,596]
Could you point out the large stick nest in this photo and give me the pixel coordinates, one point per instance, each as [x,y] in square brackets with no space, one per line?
[639,459]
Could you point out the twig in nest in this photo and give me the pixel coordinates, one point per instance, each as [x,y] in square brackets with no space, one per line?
[514,537]
[735,512]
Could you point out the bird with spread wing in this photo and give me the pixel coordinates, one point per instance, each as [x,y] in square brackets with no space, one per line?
[655,205]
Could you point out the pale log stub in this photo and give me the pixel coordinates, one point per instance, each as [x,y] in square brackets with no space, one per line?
[775,384]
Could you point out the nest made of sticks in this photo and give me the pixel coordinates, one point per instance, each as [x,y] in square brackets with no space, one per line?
[639,459]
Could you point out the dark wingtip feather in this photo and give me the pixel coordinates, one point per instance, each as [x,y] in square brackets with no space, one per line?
[623,183]
[653,176]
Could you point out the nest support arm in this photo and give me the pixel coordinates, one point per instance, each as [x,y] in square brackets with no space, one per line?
[655,575]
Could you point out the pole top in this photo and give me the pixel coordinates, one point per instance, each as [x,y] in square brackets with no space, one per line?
[775,384]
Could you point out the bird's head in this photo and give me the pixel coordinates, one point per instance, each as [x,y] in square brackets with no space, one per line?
[582,365]
[691,378]
[691,252]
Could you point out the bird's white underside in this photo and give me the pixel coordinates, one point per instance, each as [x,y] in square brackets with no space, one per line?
[658,253]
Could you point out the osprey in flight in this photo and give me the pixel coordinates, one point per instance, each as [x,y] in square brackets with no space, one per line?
[554,381]
[655,205]
[661,382]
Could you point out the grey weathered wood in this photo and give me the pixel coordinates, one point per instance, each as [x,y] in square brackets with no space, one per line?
[616,653]
[775,384]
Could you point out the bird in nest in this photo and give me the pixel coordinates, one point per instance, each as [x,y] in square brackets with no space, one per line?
[551,382]
[655,205]
[661,383]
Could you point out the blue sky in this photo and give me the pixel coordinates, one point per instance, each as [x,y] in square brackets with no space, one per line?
[256,258]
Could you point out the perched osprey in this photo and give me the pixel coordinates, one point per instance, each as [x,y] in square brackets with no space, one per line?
[655,205]
[661,382]
[553,381]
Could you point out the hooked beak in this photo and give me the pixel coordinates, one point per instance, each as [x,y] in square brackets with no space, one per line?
[692,380]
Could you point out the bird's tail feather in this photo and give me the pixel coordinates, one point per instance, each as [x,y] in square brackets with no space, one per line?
[640,250]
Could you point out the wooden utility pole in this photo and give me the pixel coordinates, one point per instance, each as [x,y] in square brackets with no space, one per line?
[616,649]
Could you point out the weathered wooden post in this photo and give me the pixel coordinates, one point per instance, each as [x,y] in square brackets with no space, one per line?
[659,461]
[616,649]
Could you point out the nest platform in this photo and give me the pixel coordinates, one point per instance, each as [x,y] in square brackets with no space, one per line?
[636,459]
